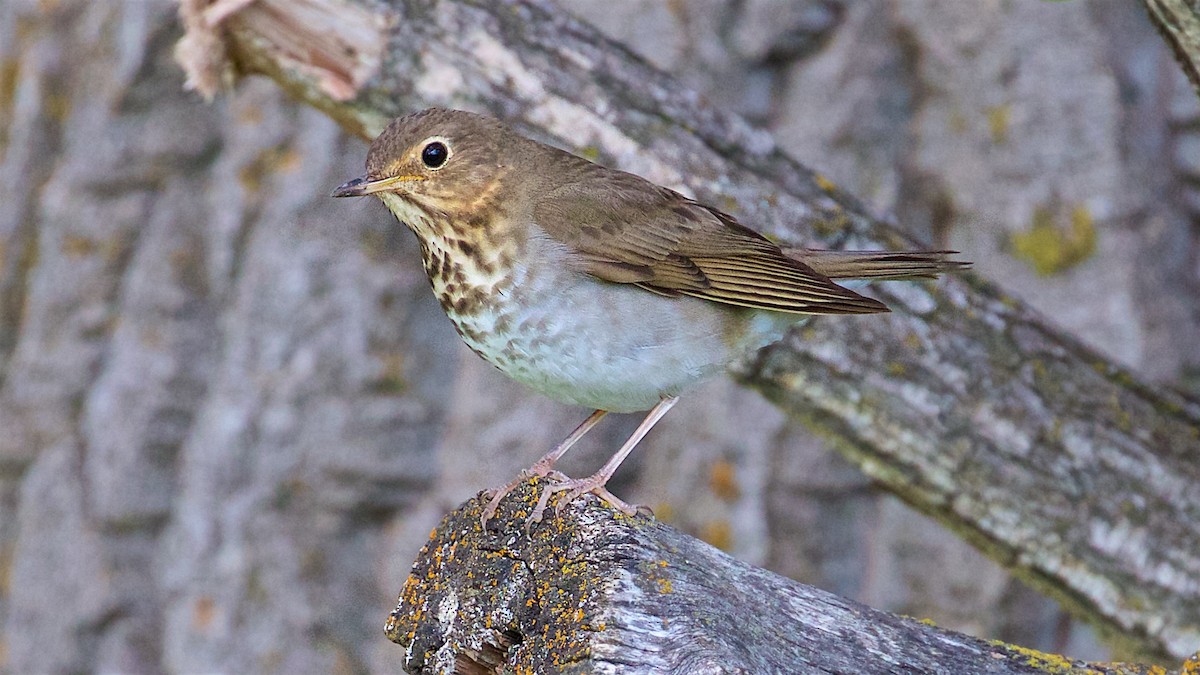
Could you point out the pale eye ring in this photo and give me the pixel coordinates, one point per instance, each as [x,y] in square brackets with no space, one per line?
[435,154]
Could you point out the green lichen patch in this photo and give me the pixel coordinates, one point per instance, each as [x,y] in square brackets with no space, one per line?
[10,71]
[999,120]
[1051,247]
[1056,664]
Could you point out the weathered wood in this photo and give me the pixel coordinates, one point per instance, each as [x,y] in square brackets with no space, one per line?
[1179,23]
[592,591]
[1053,460]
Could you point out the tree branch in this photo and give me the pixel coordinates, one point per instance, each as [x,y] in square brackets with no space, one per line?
[1179,24]
[1054,461]
[590,590]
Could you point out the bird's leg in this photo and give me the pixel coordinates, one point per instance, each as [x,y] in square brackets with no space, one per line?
[541,468]
[595,483]
[544,466]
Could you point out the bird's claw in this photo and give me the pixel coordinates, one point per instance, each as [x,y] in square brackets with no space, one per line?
[576,488]
[497,494]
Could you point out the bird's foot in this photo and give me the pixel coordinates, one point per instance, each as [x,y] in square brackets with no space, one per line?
[540,469]
[543,468]
[576,488]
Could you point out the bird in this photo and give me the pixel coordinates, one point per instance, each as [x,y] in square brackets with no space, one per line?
[594,286]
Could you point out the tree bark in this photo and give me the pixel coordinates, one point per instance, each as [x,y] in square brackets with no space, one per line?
[1054,461]
[1179,24]
[589,591]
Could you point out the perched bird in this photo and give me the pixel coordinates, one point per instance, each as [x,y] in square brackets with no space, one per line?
[594,286]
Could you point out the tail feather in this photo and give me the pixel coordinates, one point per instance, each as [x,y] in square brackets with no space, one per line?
[881,265]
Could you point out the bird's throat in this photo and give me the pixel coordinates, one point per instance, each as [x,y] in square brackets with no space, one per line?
[469,272]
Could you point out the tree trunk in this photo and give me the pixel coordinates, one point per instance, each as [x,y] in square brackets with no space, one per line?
[1057,463]
[231,411]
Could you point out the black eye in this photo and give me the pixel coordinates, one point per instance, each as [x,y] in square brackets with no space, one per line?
[434,155]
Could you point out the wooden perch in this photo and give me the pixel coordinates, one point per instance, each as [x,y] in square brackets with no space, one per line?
[590,590]
[1054,461]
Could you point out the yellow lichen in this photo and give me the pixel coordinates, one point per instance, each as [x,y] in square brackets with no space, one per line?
[10,71]
[1121,416]
[824,183]
[6,565]
[277,159]
[830,221]
[57,106]
[999,117]
[77,246]
[1050,248]
[1039,370]
[664,512]
[1043,661]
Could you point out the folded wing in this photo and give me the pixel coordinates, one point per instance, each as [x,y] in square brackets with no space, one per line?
[627,230]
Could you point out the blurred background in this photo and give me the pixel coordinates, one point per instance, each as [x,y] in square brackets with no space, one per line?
[231,410]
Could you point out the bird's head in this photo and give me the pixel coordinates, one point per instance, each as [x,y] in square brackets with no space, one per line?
[440,169]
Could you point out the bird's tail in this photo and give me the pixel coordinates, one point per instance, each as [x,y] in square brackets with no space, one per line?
[880,265]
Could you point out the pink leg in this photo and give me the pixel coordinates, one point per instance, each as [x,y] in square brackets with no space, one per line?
[543,467]
[595,483]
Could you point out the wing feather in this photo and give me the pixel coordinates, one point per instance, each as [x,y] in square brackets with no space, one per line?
[625,229]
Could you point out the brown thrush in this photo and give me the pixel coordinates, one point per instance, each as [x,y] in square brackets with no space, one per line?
[594,286]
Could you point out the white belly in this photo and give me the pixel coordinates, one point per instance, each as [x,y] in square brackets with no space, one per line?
[611,346]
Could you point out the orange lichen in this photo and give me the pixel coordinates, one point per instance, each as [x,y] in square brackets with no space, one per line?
[203,613]
[722,480]
[719,533]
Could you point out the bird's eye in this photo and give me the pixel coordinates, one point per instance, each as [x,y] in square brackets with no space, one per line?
[434,155]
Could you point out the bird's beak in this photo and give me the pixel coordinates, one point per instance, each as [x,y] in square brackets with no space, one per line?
[363,186]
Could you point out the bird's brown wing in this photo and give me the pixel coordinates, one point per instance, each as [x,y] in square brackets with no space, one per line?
[625,229]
